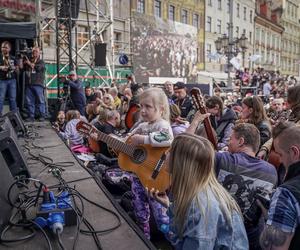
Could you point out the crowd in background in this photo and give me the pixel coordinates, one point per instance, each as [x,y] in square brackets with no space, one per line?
[254,196]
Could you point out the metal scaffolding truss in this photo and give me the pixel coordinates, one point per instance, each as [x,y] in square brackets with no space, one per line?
[65,28]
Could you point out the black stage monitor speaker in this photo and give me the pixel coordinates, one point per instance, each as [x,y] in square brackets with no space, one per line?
[100,54]
[11,151]
[6,180]
[17,122]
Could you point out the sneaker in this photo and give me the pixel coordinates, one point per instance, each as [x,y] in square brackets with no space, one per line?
[29,119]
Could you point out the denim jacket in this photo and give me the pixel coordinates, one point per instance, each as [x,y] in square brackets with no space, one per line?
[211,232]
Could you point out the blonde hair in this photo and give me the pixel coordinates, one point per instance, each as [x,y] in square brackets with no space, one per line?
[191,165]
[72,114]
[159,99]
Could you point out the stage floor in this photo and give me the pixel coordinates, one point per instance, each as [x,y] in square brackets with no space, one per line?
[43,140]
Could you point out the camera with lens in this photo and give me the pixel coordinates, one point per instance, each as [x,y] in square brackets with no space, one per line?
[66,87]
[253,214]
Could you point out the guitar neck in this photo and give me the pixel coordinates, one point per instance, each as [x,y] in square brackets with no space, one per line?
[209,132]
[116,144]
[199,103]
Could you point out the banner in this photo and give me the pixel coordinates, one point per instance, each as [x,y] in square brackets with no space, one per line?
[163,48]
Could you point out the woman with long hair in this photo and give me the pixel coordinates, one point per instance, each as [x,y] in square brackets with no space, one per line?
[253,112]
[202,213]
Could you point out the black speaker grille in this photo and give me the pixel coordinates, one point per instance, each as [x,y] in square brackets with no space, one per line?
[100,54]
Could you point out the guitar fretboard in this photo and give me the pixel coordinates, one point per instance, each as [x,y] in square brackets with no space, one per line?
[111,142]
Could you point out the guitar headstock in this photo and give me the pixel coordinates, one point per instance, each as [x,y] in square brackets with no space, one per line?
[198,100]
[86,128]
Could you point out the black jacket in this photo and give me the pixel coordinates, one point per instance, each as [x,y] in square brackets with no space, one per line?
[264,131]
[77,95]
[4,74]
[185,105]
[35,76]
[228,116]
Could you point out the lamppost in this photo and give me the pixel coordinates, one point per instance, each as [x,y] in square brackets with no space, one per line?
[231,48]
[242,44]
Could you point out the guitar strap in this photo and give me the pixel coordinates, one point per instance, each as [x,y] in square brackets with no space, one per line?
[221,128]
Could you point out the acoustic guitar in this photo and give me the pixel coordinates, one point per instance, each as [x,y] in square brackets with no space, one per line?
[147,162]
[130,118]
[274,158]
[199,104]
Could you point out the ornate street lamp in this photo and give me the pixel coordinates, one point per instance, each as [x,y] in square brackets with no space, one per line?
[243,45]
[242,42]
[218,44]
[224,41]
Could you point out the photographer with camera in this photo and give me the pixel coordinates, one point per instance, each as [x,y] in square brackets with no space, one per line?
[77,95]
[8,83]
[34,69]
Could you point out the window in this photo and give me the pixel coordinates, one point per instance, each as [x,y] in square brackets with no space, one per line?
[244,31]
[208,50]
[157,8]
[141,6]
[238,10]
[262,36]
[250,37]
[245,13]
[172,12]
[118,40]
[268,35]
[228,6]
[209,2]
[251,16]
[82,36]
[47,37]
[208,24]
[257,34]
[184,16]
[219,4]
[219,26]
[196,20]
[237,31]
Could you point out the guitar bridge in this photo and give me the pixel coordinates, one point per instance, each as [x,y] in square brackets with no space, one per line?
[158,166]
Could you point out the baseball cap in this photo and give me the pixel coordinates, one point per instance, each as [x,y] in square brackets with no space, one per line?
[179,85]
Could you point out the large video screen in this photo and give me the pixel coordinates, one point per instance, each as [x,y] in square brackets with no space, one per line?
[163,49]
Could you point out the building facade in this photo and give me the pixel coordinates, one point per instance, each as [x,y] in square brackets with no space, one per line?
[217,23]
[167,39]
[290,55]
[268,35]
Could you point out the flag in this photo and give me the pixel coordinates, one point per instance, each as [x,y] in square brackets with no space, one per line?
[254,58]
[235,62]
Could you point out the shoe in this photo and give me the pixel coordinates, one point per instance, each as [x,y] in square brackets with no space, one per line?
[29,119]
[41,119]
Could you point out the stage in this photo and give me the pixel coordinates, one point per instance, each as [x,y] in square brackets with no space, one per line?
[43,145]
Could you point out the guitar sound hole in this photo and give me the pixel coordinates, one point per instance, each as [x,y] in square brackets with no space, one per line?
[139,155]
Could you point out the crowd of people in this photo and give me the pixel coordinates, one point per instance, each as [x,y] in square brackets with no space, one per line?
[242,193]
[233,196]
[163,53]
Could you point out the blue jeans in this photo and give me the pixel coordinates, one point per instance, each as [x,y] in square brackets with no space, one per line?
[35,99]
[9,86]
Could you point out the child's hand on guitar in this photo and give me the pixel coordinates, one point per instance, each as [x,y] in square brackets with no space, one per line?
[136,139]
[160,197]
